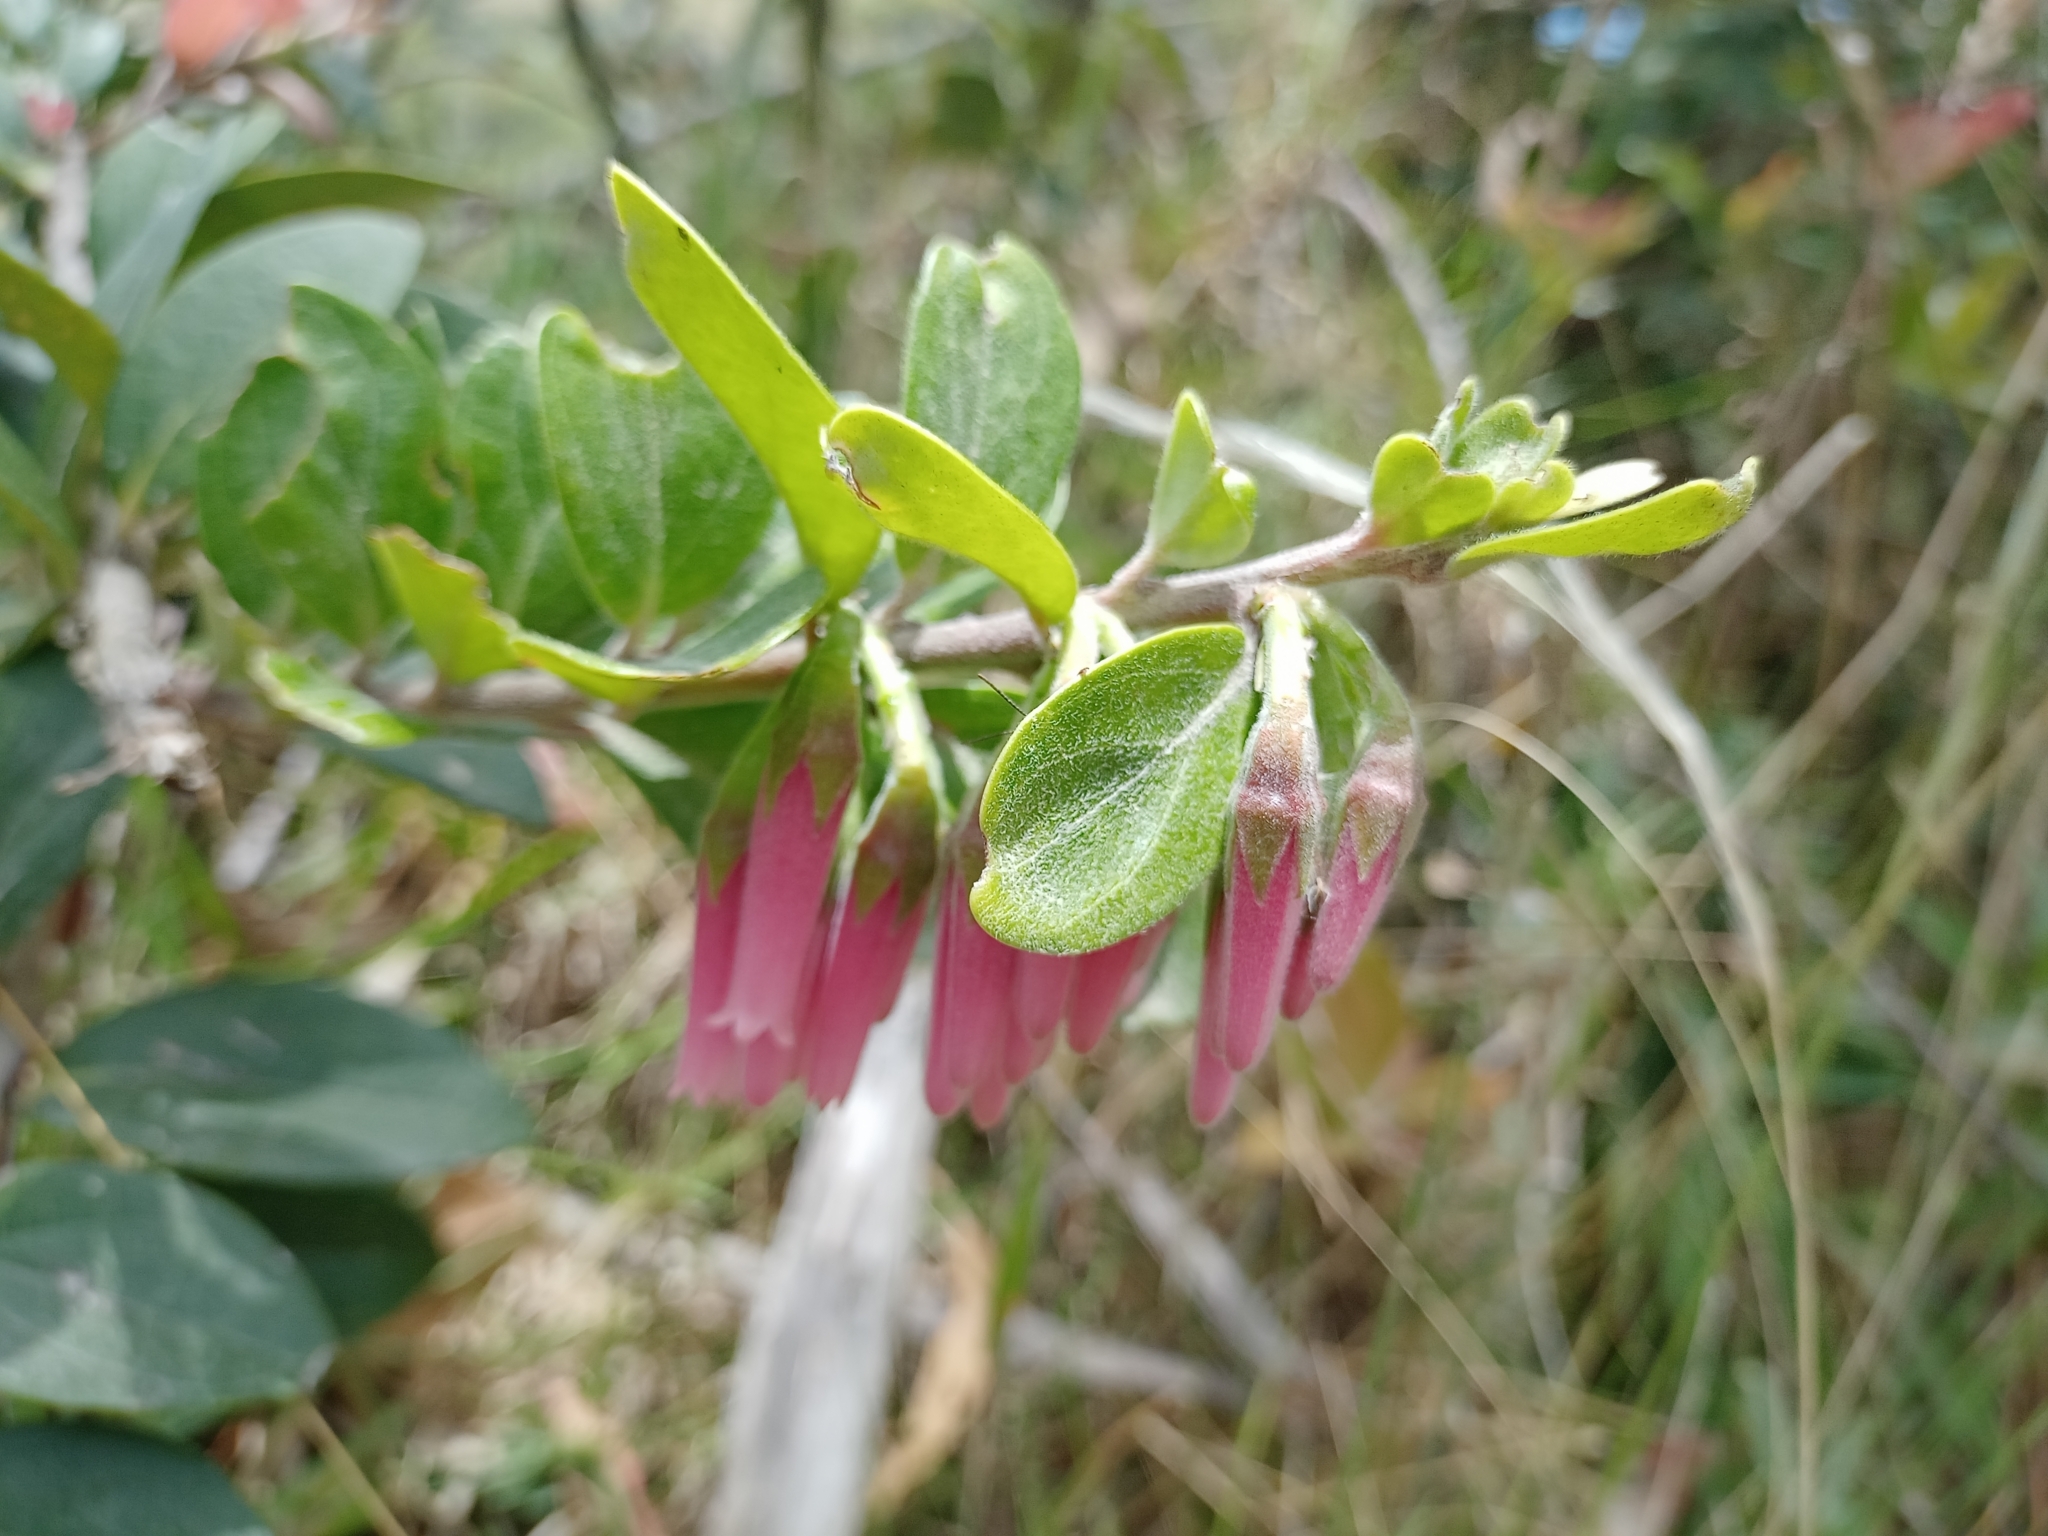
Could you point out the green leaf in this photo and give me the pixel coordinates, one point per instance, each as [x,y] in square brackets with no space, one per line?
[1202,509]
[193,356]
[918,486]
[286,1083]
[449,605]
[243,468]
[76,339]
[706,739]
[1415,499]
[307,691]
[365,1250]
[990,365]
[1684,515]
[519,541]
[48,728]
[757,376]
[28,499]
[132,1291]
[149,192]
[663,498]
[92,1480]
[261,199]
[485,773]
[747,635]
[1108,805]
[977,715]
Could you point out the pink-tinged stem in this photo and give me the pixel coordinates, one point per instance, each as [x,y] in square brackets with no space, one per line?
[706,1070]
[970,994]
[1348,913]
[1101,980]
[789,861]
[1039,992]
[1211,1083]
[1300,994]
[1259,933]
[857,982]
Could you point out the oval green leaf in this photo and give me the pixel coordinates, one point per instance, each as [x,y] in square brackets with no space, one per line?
[307,691]
[243,469]
[919,486]
[664,500]
[292,1084]
[1415,499]
[990,365]
[485,773]
[365,1250]
[74,338]
[1202,509]
[449,605]
[1109,803]
[132,1291]
[768,390]
[1684,515]
[49,728]
[92,1480]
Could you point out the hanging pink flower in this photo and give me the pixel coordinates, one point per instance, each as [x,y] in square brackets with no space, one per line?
[1381,808]
[1104,981]
[789,864]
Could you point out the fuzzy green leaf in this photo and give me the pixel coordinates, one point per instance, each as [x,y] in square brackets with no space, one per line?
[449,605]
[1674,519]
[307,691]
[1415,499]
[767,389]
[1202,509]
[94,1480]
[663,499]
[499,454]
[917,485]
[1108,805]
[991,366]
[74,338]
[132,1291]
[755,629]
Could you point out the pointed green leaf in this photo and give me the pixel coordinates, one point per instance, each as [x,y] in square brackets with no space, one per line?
[918,486]
[365,1250]
[1684,515]
[1202,509]
[76,339]
[49,729]
[1533,499]
[991,366]
[254,200]
[309,692]
[193,356]
[94,1480]
[449,605]
[1415,500]
[243,468]
[664,500]
[292,1084]
[748,634]
[485,773]
[1108,805]
[500,455]
[31,504]
[132,1291]
[757,376]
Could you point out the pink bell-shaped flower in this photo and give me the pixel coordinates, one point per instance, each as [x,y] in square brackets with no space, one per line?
[1104,981]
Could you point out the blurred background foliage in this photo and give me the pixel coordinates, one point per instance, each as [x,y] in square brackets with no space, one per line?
[1704,229]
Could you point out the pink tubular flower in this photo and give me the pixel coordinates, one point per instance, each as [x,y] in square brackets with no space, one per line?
[789,863]
[1275,818]
[1103,981]
[707,1065]
[1211,1083]
[1381,808]
[858,978]
[972,984]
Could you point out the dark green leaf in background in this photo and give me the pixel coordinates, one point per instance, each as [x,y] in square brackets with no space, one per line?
[486,773]
[663,498]
[292,1084]
[243,468]
[307,691]
[30,502]
[91,1480]
[518,540]
[705,740]
[1109,803]
[767,389]
[261,198]
[991,366]
[48,728]
[73,337]
[193,356]
[365,1250]
[132,1291]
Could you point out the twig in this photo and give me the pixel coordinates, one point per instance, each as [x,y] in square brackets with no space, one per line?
[248,850]
[597,82]
[344,1466]
[106,1146]
[811,1378]
[1409,265]
[1704,577]
[1192,1256]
